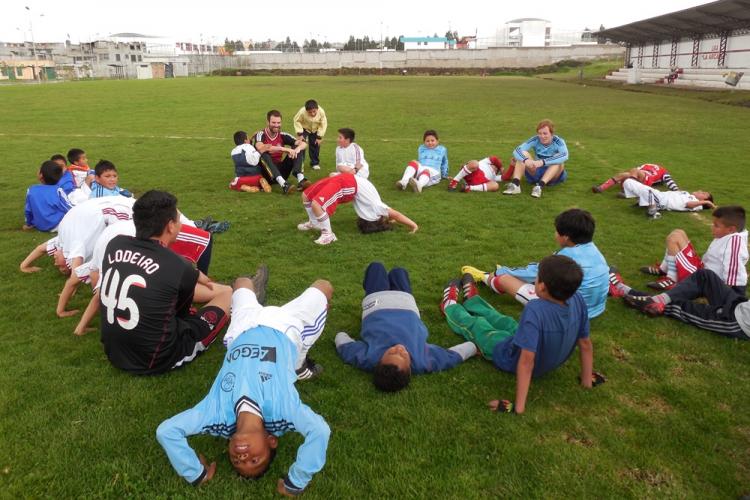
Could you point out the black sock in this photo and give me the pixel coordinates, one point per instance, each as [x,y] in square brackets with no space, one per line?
[541,184]
[517,182]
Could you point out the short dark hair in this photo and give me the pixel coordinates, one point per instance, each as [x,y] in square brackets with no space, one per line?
[104,166]
[430,132]
[374,226]
[576,224]
[51,172]
[152,212]
[347,133]
[74,154]
[710,197]
[388,378]
[58,157]
[561,275]
[311,104]
[273,112]
[240,137]
[731,215]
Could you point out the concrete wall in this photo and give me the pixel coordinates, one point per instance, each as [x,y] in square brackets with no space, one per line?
[737,56]
[503,57]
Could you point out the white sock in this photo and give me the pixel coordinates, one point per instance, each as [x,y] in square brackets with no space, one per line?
[671,267]
[300,176]
[408,174]
[461,174]
[478,187]
[310,214]
[324,223]
[280,180]
[423,180]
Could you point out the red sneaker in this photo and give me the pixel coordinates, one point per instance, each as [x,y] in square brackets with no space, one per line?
[645,304]
[450,295]
[614,280]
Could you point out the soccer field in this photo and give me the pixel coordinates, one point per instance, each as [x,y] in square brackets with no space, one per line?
[672,420]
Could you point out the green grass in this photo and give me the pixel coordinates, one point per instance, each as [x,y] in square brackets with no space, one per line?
[673,419]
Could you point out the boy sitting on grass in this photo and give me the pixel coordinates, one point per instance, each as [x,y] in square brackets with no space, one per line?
[574,232]
[394,338]
[727,254]
[544,337]
[253,400]
[46,203]
[247,168]
[105,181]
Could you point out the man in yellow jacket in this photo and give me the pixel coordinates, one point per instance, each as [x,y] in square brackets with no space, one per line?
[310,124]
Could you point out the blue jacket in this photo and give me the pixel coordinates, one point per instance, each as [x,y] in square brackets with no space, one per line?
[390,318]
[46,205]
[436,158]
[553,154]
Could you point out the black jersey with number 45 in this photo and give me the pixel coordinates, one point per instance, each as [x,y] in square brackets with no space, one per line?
[145,290]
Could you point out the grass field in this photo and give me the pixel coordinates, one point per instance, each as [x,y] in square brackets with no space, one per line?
[672,421]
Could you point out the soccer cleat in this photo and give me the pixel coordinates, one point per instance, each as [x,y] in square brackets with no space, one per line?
[662,284]
[536,191]
[644,304]
[654,270]
[288,188]
[450,295]
[204,223]
[315,167]
[307,226]
[400,185]
[303,184]
[309,370]
[326,238]
[512,189]
[260,280]
[452,185]
[468,286]
[653,212]
[614,280]
[477,274]
[218,227]
[621,195]
[597,189]
[249,189]
[464,187]
[264,185]
[415,185]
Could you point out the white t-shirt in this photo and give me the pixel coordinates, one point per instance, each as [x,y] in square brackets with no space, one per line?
[727,256]
[350,156]
[677,201]
[367,202]
[82,225]
[95,264]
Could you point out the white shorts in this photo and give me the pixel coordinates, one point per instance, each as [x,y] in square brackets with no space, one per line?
[433,174]
[526,293]
[302,320]
[646,195]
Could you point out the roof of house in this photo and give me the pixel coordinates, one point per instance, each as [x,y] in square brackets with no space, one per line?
[433,39]
[714,17]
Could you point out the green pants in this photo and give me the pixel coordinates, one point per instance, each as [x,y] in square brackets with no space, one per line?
[478,322]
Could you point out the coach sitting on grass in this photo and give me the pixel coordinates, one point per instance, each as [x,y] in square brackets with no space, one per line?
[147,293]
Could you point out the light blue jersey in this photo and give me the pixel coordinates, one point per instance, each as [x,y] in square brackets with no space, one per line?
[99,191]
[595,284]
[257,376]
[436,158]
[554,154]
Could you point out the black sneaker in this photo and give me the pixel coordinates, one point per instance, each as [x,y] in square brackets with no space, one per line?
[309,370]
[260,280]
[288,188]
[303,184]
[204,223]
[217,227]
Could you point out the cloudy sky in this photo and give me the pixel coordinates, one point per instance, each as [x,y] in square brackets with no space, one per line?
[84,20]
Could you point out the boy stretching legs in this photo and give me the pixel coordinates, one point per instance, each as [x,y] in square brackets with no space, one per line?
[543,339]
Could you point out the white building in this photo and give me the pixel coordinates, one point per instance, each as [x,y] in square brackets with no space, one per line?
[427,43]
[526,32]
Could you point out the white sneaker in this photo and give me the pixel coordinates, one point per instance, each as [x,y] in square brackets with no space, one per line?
[306,226]
[326,238]
[536,192]
[512,189]
[414,185]
[315,167]
[400,185]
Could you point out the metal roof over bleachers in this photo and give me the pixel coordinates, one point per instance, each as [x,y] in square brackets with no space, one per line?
[714,17]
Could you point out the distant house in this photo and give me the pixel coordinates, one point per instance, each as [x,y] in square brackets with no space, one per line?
[427,43]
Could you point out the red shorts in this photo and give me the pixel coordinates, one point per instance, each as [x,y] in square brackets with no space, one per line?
[687,262]
[653,173]
[248,180]
[191,243]
[476,178]
[330,191]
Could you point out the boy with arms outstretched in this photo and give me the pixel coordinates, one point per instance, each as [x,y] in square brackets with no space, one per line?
[253,400]
[676,201]
[543,339]
[394,338]
[647,174]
